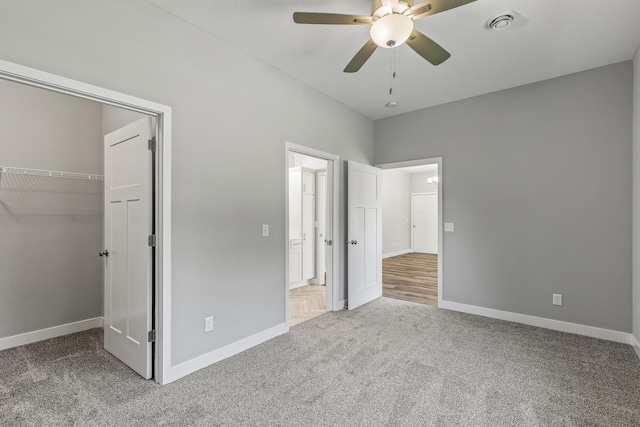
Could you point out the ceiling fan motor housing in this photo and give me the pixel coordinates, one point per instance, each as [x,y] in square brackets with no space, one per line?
[378,10]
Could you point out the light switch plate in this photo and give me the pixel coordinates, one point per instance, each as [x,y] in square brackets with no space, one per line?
[265,230]
[448,227]
[557,299]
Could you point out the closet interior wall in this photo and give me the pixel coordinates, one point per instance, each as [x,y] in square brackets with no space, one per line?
[51,228]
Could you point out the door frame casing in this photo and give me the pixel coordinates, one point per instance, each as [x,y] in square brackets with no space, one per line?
[333,180]
[432,193]
[321,201]
[441,184]
[163,114]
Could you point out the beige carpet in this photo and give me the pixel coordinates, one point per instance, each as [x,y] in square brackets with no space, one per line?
[389,362]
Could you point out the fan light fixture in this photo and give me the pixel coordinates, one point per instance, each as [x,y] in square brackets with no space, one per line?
[391,30]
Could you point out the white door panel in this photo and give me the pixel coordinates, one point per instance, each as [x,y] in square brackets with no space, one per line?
[295,261]
[425,223]
[364,240]
[295,203]
[321,231]
[128,266]
[308,236]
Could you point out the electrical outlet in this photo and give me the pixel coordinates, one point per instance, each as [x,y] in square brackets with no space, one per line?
[557,299]
[449,227]
[265,230]
[208,324]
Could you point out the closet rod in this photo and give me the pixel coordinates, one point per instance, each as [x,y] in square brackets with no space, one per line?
[55,174]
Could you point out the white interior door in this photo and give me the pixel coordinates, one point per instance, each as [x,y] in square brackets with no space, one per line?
[364,241]
[425,223]
[128,266]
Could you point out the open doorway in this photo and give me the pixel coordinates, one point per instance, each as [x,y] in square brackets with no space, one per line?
[307,231]
[410,233]
[310,254]
[52,189]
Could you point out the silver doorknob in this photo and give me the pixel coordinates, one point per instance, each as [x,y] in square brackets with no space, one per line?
[104,252]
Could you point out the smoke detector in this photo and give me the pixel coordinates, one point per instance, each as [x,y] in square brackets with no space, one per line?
[500,22]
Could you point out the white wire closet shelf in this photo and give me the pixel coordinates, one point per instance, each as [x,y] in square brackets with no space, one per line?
[25,191]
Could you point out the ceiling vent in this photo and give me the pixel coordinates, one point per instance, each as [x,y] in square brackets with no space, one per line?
[500,22]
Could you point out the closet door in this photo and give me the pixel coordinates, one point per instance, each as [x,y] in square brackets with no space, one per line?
[308,182]
[295,225]
[128,283]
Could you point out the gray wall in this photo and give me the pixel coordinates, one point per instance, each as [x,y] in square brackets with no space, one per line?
[636,195]
[396,211]
[226,105]
[537,180]
[50,273]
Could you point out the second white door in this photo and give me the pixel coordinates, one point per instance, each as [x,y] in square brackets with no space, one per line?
[425,223]
[364,238]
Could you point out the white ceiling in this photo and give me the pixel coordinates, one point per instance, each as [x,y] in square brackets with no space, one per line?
[549,38]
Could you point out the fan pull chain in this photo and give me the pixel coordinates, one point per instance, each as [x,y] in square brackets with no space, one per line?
[392,66]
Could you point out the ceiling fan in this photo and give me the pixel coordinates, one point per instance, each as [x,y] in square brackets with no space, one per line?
[391,25]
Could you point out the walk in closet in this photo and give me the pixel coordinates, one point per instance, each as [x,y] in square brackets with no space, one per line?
[51,211]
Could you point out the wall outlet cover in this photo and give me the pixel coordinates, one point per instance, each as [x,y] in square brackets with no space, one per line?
[208,324]
[449,227]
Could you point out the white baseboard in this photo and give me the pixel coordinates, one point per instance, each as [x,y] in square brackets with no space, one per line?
[195,364]
[635,344]
[45,334]
[397,253]
[300,284]
[556,325]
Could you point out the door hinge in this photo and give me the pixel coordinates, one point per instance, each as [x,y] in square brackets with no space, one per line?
[152,240]
[151,336]
[152,144]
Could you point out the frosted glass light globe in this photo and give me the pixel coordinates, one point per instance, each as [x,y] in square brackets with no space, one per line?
[391,30]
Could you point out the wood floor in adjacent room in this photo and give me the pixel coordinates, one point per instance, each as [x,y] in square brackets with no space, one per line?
[411,277]
[306,303]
